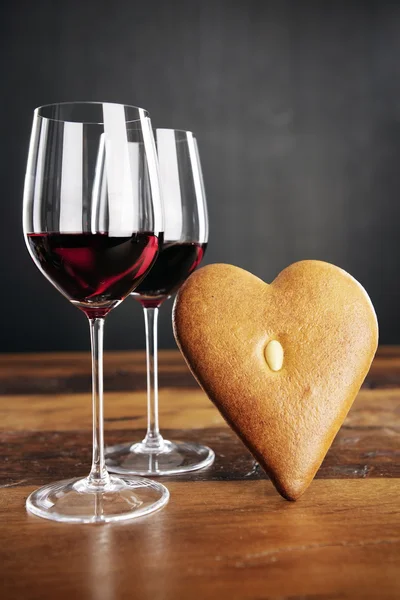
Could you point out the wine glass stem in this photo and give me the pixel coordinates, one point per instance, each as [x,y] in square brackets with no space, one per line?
[153,441]
[98,476]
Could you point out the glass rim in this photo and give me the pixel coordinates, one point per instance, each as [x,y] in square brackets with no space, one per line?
[185,131]
[38,110]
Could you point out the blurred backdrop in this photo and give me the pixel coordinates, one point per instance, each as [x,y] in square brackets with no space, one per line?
[296,106]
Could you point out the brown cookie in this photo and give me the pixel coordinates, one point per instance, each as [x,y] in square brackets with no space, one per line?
[286,400]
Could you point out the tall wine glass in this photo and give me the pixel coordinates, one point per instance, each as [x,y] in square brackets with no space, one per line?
[91,219]
[185,241]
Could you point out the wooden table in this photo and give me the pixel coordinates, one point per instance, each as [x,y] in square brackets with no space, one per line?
[226,533]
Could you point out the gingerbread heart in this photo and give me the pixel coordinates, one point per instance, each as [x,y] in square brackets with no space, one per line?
[282,362]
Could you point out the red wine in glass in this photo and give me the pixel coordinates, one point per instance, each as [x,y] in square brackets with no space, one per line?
[94,269]
[175,262]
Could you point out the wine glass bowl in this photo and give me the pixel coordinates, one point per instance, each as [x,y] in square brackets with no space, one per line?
[92,220]
[183,247]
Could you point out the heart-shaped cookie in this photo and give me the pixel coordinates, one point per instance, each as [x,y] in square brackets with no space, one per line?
[286,399]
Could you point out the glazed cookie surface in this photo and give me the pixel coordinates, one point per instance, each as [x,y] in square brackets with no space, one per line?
[283,362]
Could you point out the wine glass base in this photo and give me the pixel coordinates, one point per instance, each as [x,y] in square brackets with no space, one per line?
[75,501]
[174,458]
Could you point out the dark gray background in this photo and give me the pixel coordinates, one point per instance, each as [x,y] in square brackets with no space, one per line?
[296,105]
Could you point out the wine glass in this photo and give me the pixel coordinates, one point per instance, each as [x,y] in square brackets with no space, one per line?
[184,244]
[92,216]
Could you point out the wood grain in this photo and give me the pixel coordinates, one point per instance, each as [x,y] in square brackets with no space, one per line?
[70,372]
[179,408]
[66,373]
[226,533]
[231,540]
[355,454]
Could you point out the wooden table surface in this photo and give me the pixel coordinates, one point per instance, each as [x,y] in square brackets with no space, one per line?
[225,533]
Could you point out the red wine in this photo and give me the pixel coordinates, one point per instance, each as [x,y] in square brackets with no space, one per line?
[95,271]
[173,265]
